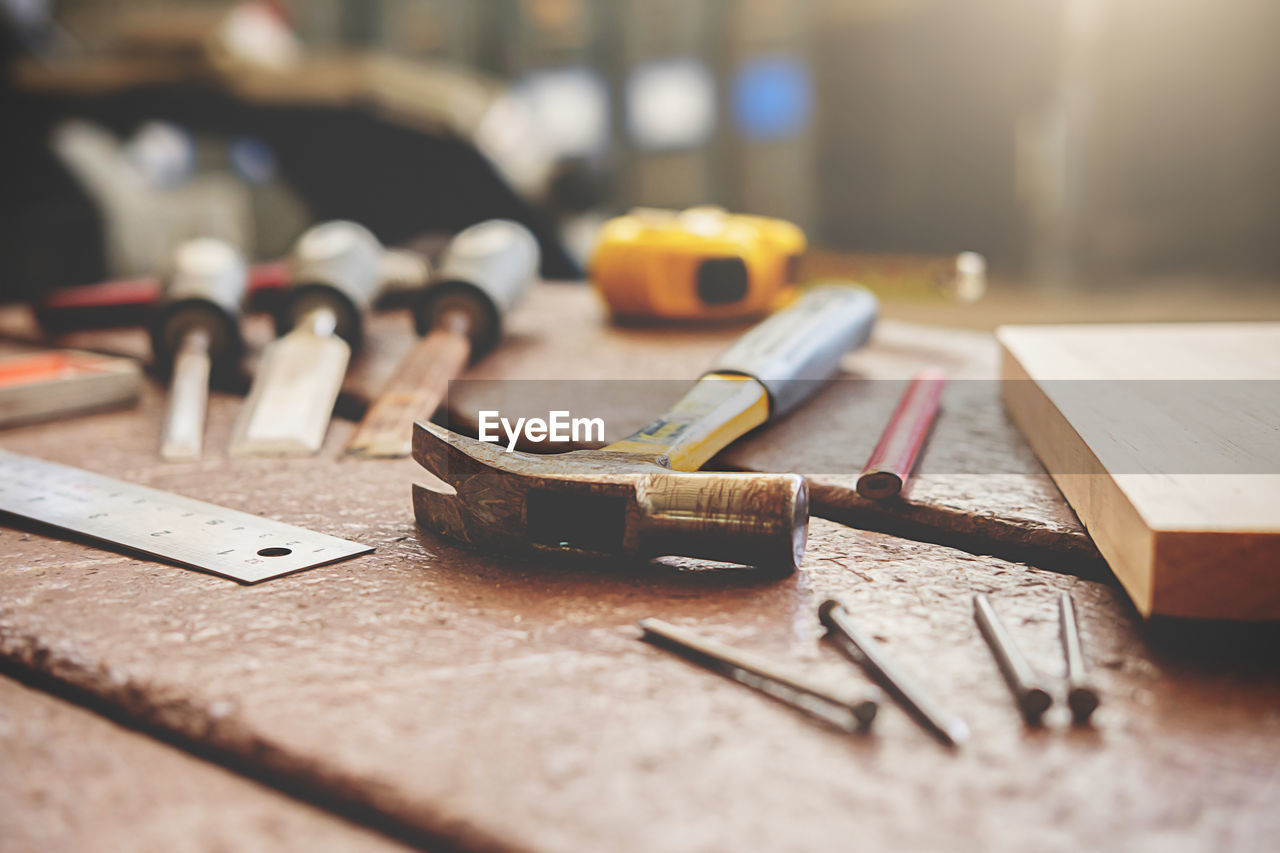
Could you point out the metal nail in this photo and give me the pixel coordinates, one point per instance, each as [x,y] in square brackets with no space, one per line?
[866,653]
[1082,696]
[1033,699]
[853,714]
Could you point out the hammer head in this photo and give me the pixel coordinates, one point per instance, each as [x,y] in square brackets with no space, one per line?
[606,503]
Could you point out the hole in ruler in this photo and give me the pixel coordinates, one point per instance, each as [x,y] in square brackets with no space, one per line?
[275,552]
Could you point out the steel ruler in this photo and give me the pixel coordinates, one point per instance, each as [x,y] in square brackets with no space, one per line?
[181,530]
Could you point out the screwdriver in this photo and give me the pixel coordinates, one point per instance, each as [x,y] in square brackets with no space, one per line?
[195,334]
[336,270]
[485,272]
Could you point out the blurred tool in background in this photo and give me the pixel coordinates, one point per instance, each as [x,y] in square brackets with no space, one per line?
[960,278]
[133,301]
[336,271]
[37,386]
[701,263]
[235,128]
[1059,138]
[485,272]
[195,334]
[149,199]
[704,263]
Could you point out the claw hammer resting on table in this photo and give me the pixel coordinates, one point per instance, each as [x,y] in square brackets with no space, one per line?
[639,497]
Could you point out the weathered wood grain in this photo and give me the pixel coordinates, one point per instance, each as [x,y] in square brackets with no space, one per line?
[74,781]
[509,704]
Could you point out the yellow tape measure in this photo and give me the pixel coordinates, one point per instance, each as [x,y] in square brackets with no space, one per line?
[700,263]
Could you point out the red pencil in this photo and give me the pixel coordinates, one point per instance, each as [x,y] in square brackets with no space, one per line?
[890,465]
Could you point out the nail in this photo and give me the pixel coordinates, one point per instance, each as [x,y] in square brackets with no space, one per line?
[851,714]
[866,653]
[1033,699]
[1082,696]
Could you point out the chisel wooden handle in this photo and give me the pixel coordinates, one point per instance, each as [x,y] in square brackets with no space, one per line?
[484,273]
[771,370]
[416,389]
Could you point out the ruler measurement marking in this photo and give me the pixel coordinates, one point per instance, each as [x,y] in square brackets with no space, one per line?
[74,503]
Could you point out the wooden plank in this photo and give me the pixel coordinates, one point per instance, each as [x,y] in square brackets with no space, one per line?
[1167,450]
[76,781]
[508,704]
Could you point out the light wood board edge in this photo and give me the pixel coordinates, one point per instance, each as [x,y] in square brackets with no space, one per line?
[1179,573]
[1112,521]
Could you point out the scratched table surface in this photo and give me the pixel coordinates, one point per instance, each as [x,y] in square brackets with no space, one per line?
[456,699]
[78,781]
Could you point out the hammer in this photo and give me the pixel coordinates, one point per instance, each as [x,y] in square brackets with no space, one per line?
[639,497]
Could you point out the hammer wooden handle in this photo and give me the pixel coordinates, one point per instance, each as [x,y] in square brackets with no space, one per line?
[768,372]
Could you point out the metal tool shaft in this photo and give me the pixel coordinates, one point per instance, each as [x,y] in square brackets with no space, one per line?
[195,335]
[848,713]
[183,436]
[1082,696]
[866,653]
[1032,697]
[297,384]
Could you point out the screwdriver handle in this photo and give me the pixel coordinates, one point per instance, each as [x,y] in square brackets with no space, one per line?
[795,350]
[768,372]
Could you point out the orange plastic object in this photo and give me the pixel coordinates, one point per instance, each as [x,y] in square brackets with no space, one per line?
[50,367]
[701,263]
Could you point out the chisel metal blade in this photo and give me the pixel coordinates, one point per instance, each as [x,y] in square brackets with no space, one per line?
[183,436]
[289,406]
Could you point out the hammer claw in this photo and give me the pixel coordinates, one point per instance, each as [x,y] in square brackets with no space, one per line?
[452,457]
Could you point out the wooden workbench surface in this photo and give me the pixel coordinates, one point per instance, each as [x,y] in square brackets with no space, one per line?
[76,781]
[504,704]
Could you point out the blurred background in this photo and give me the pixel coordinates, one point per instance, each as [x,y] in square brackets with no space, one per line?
[1111,159]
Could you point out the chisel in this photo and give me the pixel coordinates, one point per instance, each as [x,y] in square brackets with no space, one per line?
[336,270]
[195,333]
[485,272]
